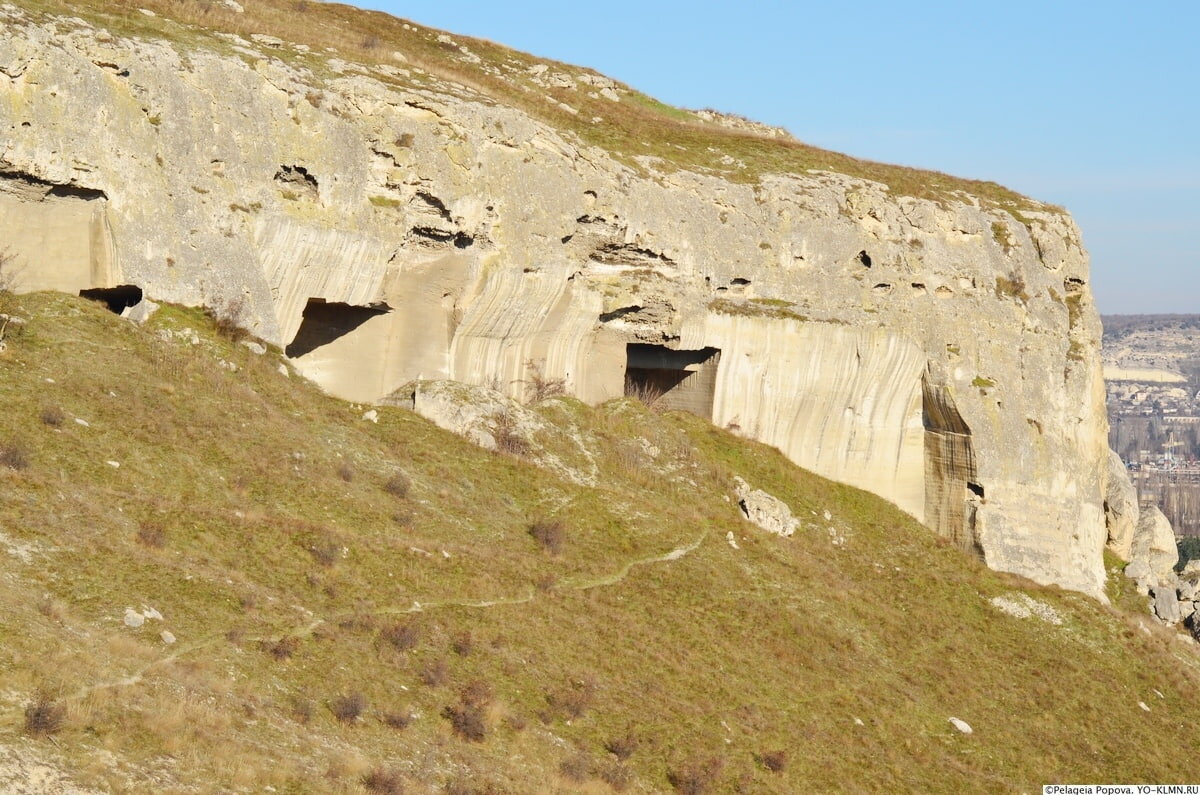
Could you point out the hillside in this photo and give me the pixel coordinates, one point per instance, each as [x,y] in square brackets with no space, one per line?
[309,563]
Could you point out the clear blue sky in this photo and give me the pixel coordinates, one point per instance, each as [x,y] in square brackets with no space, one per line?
[1091,105]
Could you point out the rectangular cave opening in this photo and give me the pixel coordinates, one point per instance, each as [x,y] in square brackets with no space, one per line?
[325,321]
[675,380]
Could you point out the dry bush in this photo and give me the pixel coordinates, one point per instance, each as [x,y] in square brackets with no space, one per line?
[8,271]
[397,719]
[230,316]
[539,387]
[284,648]
[14,455]
[467,721]
[402,636]
[325,550]
[347,708]
[775,761]
[435,673]
[386,780]
[302,710]
[44,716]
[696,776]
[476,693]
[462,644]
[398,485]
[152,534]
[506,432]
[345,471]
[53,416]
[550,533]
[616,775]
[647,395]
[622,747]
[571,702]
[576,768]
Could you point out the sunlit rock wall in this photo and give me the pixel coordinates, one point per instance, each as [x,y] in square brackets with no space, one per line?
[383,226]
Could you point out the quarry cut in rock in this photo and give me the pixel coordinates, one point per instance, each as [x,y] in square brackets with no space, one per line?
[942,354]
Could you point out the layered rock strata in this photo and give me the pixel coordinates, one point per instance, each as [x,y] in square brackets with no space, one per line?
[942,354]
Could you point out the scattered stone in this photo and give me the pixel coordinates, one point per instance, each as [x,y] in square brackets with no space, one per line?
[114,464]
[1166,606]
[371,416]
[133,618]
[267,41]
[962,726]
[147,12]
[257,348]
[83,422]
[1142,704]
[150,612]
[283,370]
[1021,605]
[167,637]
[140,312]
[859,722]
[732,541]
[770,513]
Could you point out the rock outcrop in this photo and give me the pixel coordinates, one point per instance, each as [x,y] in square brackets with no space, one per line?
[384,225]
[1121,514]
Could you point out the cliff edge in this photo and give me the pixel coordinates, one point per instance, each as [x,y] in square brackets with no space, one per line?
[383,222]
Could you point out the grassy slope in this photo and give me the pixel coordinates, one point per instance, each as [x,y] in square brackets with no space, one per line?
[637,125]
[276,523]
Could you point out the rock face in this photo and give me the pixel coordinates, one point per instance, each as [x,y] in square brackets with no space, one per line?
[942,354]
[1154,543]
[1120,507]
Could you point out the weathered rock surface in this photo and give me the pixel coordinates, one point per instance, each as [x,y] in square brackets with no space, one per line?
[1154,543]
[767,511]
[1120,507]
[943,354]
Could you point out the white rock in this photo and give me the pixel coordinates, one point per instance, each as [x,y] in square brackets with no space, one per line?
[283,371]
[1142,704]
[961,725]
[150,612]
[257,348]
[732,541]
[167,637]
[140,312]
[1154,543]
[147,12]
[371,416]
[770,513]
[114,464]
[133,618]
[83,422]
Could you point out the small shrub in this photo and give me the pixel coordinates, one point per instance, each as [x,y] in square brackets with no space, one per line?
[462,644]
[697,776]
[549,533]
[8,271]
[402,636]
[325,550]
[616,776]
[349,707]
[622,747]
[152,534]
[398,485]
[467,721]
[477,693]
[435,673]
[572,702]
[507,434]
[386,780]
[284,648]
[346,472]
[775,761]
[44,716]
[577,767]
[397,720]
[14,455]
[539,387]
[302,710]
[53,416]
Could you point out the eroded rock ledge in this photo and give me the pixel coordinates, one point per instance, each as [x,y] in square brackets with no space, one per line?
[941,354]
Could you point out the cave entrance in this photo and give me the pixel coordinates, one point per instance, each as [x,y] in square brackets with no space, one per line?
[953,493]
[117,299]
[674,380]
[324,322]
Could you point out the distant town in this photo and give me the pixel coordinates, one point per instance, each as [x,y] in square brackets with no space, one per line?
[1152,375]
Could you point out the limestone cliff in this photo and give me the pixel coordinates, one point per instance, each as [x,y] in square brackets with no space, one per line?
[383,225]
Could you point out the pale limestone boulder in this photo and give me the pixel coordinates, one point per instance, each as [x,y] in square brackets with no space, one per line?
[768,512]
[1154,544]
[1120,507]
